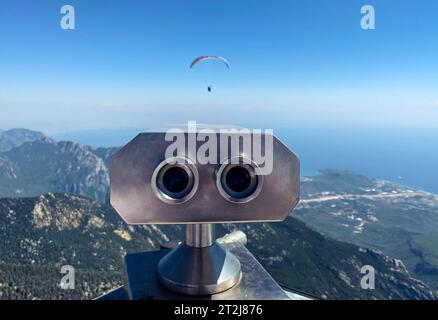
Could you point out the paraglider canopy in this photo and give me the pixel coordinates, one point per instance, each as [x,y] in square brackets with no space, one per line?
[203,58]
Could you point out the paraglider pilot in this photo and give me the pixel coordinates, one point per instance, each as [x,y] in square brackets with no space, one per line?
[204,58]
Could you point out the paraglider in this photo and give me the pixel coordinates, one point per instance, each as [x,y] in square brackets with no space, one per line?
[204,58]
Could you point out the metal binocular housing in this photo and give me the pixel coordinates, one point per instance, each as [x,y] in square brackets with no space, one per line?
[200,178]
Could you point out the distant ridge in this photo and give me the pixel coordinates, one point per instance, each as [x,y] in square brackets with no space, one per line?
[40,166]
[12,138]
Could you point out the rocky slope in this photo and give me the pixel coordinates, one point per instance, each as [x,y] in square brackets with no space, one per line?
[43,233]
[398,220]
[44,165]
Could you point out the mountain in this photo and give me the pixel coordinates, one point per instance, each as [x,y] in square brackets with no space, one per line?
[41,234]
[44,165]
[105,154]
[398,220]
[15,137]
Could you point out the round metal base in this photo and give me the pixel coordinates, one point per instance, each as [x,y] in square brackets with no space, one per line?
[199,271]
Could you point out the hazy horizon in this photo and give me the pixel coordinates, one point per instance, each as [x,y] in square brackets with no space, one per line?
[400,155]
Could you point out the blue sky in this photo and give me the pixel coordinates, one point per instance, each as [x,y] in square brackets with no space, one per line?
[294,63]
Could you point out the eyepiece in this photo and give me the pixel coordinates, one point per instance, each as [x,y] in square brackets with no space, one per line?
[175,180]
[239,182]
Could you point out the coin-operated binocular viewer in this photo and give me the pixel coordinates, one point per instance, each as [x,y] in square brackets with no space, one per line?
[200,179]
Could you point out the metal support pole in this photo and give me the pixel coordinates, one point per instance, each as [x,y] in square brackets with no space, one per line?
[200,235]
[200,265]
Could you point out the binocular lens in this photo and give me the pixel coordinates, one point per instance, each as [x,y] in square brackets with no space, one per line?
[238,182]
[175,180]
[238,179]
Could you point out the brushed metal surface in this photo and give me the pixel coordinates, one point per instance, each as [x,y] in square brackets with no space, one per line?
[142,277]
[255,284]
[200,235]
[199,266]
[133,198]
[199,271]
